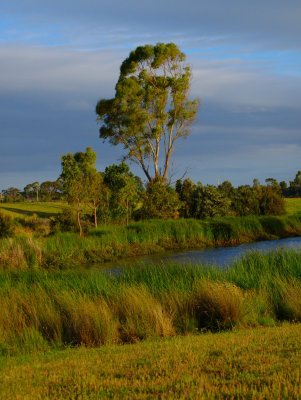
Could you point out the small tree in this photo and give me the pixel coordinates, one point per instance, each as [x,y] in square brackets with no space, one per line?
[77,170]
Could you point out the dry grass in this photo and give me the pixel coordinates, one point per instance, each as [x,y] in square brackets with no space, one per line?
[141,316]
[217,305]
[261,363]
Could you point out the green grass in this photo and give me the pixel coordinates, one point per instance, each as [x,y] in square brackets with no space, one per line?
[28,209]
[262,363]
[293,206]
[45,309]
[108,243]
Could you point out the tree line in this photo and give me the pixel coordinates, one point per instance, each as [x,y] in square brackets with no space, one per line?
[116,195]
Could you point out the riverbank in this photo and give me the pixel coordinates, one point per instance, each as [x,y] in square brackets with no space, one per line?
[43,310]
[261,363]
[108,243]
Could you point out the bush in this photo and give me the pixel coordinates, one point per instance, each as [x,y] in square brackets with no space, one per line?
[6,225]
[160,201]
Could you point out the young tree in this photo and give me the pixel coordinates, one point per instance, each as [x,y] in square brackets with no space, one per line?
[151,108]
[77,170]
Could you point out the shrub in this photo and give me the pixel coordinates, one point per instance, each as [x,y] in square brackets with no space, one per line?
[6,225]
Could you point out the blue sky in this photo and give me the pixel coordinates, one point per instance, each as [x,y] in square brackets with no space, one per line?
[58,58]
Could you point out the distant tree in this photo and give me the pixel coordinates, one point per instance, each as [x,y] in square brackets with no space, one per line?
[273,183]
[284,188]
[256,183]
[28,191]
[227,189]
[151,109]
[12,194]
[31,191]
[295,186]
[51,190]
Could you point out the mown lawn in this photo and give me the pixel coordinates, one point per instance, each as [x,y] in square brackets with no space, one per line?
[261,363]
[28,209]
[293,206]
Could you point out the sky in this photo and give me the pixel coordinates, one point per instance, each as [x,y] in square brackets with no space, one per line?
[58,58]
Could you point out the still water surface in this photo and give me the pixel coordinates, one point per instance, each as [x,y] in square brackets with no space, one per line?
[222,256]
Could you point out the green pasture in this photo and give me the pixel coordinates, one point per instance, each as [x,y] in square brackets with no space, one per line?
[28,209]
[293,205]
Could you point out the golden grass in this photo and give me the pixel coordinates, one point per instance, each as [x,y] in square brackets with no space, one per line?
[217,305]
[262,363]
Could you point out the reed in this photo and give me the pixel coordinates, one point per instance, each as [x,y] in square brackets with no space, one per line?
[68,250]
[45,309]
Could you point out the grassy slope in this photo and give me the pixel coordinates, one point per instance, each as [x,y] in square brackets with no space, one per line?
[293,206]
[26,209]
[262,363]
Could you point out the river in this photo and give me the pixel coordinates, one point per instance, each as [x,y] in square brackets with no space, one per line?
[221,256]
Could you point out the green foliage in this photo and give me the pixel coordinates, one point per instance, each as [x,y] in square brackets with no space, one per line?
[12,194]
[160,201]
[185,191]
[151,108]
[81,182]
[208,201]
[125,190]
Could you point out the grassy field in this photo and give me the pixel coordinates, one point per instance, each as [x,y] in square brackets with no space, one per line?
[293,206]
[28,209]
[262,363]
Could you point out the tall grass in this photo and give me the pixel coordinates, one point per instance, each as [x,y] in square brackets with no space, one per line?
[68,250]
[42,309]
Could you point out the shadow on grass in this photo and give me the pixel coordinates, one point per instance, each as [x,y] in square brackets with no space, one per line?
[30,213]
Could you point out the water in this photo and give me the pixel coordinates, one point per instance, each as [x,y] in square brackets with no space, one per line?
[221,256]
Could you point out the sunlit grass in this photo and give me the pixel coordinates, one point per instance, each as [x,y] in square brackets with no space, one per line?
[293,205]
[262,363]
[28,209]
[44,309]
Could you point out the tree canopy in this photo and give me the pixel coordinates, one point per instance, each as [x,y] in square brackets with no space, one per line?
[151,108]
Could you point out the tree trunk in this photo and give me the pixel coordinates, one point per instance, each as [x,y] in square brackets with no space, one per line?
[79,221]
[95,216]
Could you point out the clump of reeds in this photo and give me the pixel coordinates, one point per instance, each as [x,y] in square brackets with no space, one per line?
[140,315]
[217,305]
